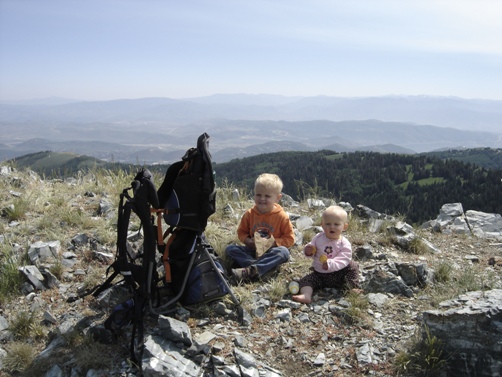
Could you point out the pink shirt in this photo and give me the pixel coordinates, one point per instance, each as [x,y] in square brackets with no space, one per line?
[339,253]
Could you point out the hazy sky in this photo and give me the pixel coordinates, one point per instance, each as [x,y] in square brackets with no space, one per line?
[110,49]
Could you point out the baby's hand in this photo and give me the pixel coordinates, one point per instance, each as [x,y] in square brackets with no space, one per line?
[310,250]
[324,260]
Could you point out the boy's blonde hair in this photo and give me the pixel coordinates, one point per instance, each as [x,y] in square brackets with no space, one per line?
[337,210]
[270,182]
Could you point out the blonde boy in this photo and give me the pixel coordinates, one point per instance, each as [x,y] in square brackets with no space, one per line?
[266,219]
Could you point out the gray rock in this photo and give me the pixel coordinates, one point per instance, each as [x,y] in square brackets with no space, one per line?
[80,239]
[320,359]
[365,355]
[375,225]
[303,223]
[452,209]
[48,316]
[34,276]
[367,213]
[385,282]
[235,195]
[470,329]
[228,210]
[409,273]
[49,279]
[247,363]
[377,299]
[315,203]
[40,252]
[363,253]
[174,330]
[204,338]
[55,371]
[284,315]
[105,206]
[162,358]
[485,222]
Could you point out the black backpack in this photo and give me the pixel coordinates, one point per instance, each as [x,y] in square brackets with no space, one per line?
[185,200]
[187,193]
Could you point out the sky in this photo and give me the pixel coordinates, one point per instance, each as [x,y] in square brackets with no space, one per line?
[116,49]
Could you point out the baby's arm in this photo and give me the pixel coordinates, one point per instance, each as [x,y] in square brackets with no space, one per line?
[341,260]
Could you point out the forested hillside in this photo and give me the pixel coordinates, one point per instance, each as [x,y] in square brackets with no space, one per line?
[486,157]
[415,186]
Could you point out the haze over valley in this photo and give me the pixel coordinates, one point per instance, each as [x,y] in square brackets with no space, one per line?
[159,130]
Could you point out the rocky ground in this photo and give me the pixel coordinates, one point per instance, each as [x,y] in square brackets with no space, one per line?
[336,335]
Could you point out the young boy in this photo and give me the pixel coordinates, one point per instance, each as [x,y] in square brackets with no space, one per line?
[332,257]
[268,221]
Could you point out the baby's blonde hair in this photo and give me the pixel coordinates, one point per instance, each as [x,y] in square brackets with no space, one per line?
[337,210]
[270,182]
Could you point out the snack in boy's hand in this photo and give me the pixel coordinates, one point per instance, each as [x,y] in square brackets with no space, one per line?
[262,243]
[323,258]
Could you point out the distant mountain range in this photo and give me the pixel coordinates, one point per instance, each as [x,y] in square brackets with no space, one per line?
[159,130]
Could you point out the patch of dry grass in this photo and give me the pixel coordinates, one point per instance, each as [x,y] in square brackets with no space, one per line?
[19,356]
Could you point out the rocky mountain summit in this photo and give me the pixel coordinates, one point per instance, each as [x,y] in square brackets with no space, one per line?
[432,300]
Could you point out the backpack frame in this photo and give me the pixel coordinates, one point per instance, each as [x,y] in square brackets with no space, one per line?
[184,201]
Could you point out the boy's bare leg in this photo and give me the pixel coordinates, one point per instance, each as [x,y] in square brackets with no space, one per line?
[305,295]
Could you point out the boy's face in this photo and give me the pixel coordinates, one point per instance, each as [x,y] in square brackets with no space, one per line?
[333,225]
[265,198]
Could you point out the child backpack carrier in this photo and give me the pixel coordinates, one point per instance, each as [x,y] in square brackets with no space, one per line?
[187,197]
[193,273]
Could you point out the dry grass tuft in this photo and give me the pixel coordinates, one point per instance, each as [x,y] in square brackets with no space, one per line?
[19,357]
[25,326]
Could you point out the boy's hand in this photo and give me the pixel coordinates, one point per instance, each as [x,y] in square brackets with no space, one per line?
[309,250]
[249,242]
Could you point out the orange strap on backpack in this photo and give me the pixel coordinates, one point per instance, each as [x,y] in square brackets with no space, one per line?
[160,242]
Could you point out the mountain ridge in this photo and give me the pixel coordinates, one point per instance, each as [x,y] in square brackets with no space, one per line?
[439,111]
[152,146]
[155,129]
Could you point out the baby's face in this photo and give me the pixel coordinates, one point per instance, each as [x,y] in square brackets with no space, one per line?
[333,225]
[265,198]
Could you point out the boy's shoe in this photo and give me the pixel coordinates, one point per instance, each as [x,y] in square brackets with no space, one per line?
[245,274]
[269,275]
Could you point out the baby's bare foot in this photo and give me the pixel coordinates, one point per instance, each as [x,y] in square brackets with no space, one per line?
[302,299]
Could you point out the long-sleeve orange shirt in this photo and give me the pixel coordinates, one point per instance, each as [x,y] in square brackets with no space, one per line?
[275,222]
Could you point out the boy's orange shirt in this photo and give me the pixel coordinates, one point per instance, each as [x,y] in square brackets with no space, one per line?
[275,222]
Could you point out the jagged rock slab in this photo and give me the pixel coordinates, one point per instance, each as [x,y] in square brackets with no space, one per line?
[470,328]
